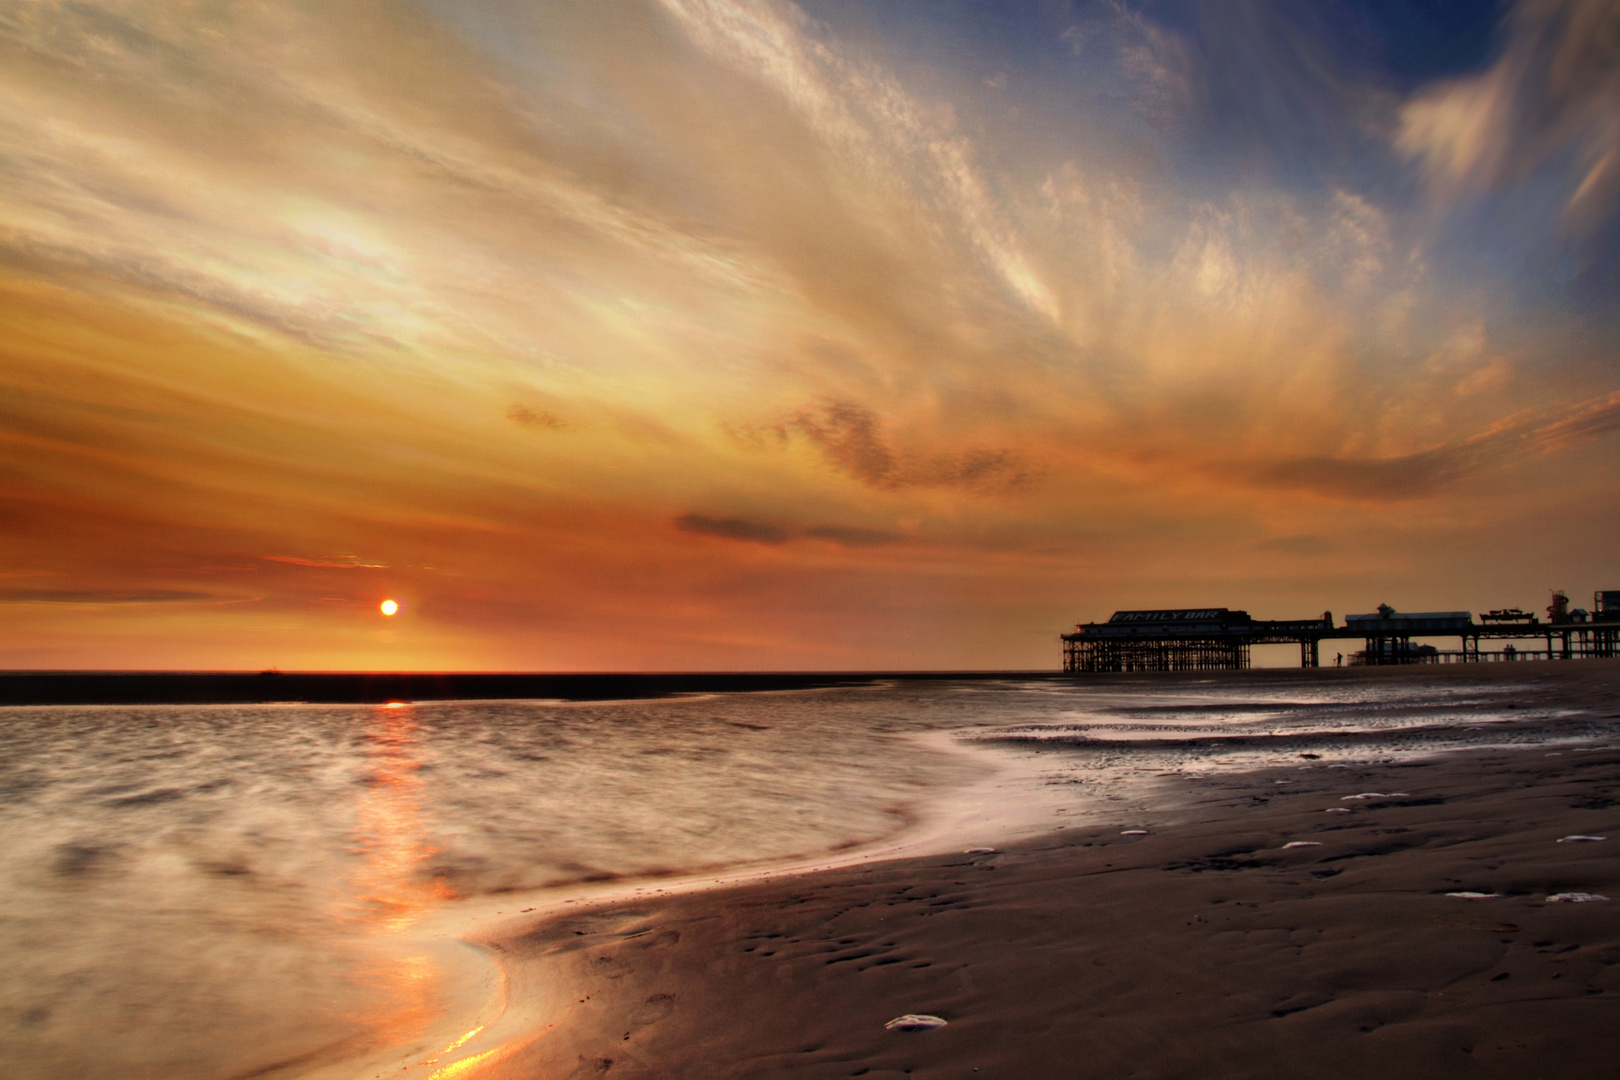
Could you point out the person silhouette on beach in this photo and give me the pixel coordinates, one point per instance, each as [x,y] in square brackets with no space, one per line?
[1338,661]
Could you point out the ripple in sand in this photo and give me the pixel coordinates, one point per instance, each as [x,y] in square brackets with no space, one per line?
[1580,839]
[980,851]
[914,1022]
[1575,898]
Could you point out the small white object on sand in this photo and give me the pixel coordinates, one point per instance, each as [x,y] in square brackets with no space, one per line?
[914,1022]
[1474,895]
[1134,832]
[980,851]
[1338,810]
[1302,843]
[1575,897]
[1376,795]
[1580,839]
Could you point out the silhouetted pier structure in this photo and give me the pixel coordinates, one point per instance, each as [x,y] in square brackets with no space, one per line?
[1187,639]
[1209,639]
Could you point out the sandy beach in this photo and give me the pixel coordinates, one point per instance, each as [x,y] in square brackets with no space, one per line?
[1420,916]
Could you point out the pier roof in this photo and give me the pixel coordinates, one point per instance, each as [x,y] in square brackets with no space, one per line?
[1396,622]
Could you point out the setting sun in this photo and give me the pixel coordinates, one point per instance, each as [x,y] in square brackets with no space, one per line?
[389,607]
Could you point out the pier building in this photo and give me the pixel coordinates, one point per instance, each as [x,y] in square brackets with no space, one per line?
[1205,639]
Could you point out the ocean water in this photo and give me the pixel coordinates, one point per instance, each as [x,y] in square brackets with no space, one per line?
[237,891]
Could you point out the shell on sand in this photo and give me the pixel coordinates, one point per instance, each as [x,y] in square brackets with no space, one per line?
[914,1022]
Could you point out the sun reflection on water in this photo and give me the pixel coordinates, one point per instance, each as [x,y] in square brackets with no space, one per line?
[393,892]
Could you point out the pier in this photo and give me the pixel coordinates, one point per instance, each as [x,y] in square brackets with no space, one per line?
[1220,639]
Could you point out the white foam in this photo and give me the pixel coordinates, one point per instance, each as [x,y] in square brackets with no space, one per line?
[1575,897]
[914,1022]
[1475,895]
[1302,843]
[1577,839]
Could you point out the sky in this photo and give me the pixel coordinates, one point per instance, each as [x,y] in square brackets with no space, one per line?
[745,334]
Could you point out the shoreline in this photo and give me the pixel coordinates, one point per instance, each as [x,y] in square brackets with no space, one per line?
[490,1024]
[1343,952]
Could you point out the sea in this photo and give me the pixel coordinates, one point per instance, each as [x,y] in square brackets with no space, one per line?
[228,891]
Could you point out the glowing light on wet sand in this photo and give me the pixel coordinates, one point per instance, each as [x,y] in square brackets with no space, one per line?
[460,1068]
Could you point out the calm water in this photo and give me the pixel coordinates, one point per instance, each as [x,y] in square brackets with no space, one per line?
[215,892]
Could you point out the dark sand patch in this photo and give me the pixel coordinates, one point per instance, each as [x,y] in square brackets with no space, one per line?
[1206,948]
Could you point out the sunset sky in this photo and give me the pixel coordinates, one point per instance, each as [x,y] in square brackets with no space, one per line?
[742,334]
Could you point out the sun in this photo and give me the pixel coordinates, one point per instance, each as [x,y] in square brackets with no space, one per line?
[389,607]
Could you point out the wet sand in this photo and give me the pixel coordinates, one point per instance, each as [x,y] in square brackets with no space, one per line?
[1205,947]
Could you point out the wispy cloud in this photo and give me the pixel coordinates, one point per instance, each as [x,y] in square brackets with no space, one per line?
[850,437]
[523,416]
[760,532]
[342,562]
[732,528]
[106,596]
[1545,110]
[866,116]
[1427,472]
[852,537]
